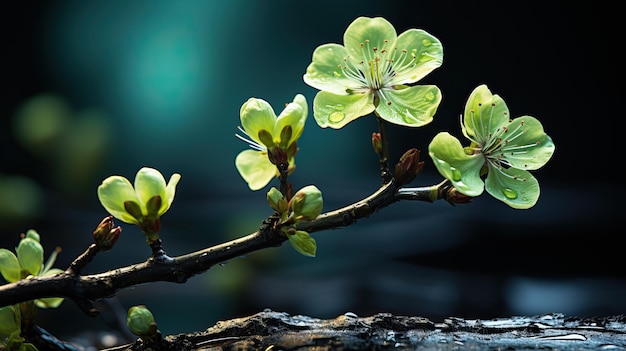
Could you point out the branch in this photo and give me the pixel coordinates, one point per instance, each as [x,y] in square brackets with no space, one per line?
[85,289]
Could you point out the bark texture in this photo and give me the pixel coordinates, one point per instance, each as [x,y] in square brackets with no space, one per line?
[270,330]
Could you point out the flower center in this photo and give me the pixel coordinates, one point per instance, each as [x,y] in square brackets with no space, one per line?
[374,71]
[497,145]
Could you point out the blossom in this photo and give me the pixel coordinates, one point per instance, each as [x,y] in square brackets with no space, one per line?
[142,204]
[372,72]
[503,149]
[28,262]
[273,139]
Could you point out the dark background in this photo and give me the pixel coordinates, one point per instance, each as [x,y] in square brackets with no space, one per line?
[160,84]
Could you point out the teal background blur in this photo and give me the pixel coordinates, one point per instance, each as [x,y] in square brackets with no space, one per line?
[96,88]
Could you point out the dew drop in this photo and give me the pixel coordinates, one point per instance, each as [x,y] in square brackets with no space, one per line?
[430,96]
[336,117]
[427,42]
[509,193]
[456,174]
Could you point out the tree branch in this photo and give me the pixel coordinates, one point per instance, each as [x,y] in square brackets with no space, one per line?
[85,289]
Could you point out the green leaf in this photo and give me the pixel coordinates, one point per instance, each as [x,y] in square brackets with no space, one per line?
[303,243]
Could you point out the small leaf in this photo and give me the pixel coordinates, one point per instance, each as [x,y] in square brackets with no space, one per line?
[303,243]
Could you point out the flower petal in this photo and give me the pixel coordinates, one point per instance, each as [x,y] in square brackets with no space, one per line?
[367,37]
[170,191]
[294,115]
[255,168]
[113,192]
[30,255]
[256,115]
[526,145]
[149,183]
[412,106]
[454,164]
[335,111]
[325,73]
[484,114]
[416,54]
[515,187]
[9,266]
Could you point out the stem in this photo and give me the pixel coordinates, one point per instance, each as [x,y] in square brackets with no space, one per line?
[81,261]
[385,173]
[283,170]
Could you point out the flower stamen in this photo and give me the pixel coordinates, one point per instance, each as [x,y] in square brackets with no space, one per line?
[251,143]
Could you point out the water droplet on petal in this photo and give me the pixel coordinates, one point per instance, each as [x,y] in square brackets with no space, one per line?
[456,174]
[336,117]
[427,42]
[509,193]
[430,96]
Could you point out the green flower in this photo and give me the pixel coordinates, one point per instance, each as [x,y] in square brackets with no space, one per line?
[373,71]
[501,148]
[273,139]
[142,205]
[29,263]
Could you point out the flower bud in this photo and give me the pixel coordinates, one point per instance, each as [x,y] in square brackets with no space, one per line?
[454,197]
[307,203]
[377,143]
[105,236]
[140,322]
[32,233]
[276,200]
[408,167]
